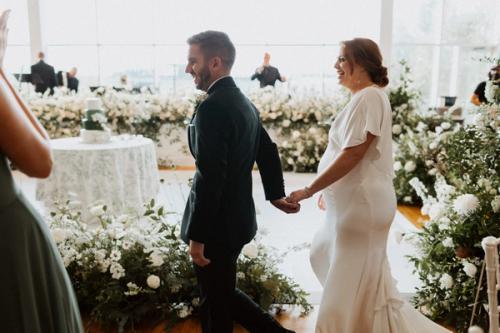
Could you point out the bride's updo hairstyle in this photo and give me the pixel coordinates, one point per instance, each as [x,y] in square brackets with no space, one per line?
[365,53]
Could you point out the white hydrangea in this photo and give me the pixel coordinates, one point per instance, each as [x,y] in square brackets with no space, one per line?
[153,281]
[250,250]
[466,204]
[446,281]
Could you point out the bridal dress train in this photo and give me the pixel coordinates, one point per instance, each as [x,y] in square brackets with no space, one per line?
[348,253]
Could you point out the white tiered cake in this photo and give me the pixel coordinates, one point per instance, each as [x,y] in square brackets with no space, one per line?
[94,128]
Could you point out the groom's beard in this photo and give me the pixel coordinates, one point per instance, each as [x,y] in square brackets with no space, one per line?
[203,79]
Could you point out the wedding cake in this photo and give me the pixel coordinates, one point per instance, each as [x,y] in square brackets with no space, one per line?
[94,128]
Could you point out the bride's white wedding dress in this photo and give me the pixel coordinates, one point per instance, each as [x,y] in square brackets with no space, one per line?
[348,253]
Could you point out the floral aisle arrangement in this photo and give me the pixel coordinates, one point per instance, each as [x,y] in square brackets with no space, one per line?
[404,101]
[416,153]
[418,137]
[464,209]
[128,269]
[155,115]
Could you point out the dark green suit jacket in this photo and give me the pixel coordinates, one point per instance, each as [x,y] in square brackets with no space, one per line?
[226,138]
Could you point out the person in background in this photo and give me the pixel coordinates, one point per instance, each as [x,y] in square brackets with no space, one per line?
[267,74]
[68,79]
[43,75]
[478,97]
[36,292]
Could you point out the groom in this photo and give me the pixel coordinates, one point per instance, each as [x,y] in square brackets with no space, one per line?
[226,138]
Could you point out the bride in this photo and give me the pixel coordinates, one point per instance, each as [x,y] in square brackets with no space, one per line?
[348,253]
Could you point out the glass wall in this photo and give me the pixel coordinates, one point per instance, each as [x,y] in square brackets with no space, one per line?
[442,40]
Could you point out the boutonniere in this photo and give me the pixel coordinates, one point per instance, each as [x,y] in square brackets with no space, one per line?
[198,99]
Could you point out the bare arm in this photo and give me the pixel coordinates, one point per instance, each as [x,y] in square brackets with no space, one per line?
[340,167]
[22,139]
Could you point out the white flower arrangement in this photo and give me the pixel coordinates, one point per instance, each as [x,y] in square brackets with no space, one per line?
[124,268]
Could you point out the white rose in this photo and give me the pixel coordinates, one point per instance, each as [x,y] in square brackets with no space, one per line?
[446,281]
[433,145]
[410,166]
[475,329]
[466,204]
[153,281]
[250,250]
[448,242]
[396,129]
[397,166]
[445,125]
[156,259]
[469,269]
[286,123]
[240,275]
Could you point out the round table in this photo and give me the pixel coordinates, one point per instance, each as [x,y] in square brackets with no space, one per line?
[122,174]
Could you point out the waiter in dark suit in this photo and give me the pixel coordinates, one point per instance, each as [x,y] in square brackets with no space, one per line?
[43,75]
[267,74]
[68,79]
[226,138]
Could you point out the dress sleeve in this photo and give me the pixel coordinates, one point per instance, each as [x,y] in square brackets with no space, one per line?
[367,116]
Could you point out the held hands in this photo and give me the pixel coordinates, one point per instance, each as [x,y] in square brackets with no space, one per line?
[3,35]
[196,251]
[287,207]
[299,195]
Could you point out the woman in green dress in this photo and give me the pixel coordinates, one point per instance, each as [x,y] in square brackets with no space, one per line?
[36,295]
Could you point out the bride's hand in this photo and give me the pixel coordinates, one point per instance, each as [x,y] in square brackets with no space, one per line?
[299,195]
[3,35]
[321,202]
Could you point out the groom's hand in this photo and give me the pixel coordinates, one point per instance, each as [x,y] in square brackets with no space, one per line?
[286,206]
[196,250]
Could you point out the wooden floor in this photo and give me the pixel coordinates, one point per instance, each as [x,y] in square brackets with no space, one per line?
[299,325]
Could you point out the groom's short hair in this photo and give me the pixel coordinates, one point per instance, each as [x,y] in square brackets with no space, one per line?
[215,44]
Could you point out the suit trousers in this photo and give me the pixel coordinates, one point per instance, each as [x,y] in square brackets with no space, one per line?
[221,303]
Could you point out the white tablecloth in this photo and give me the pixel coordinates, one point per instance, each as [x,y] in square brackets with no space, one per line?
[123,174]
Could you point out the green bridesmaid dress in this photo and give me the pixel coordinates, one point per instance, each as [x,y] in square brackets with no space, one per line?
[36,295]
